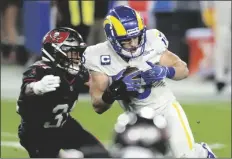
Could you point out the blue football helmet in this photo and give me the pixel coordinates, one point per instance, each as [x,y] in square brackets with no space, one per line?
[123,23]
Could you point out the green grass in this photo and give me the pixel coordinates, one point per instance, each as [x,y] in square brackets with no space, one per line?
[210,122]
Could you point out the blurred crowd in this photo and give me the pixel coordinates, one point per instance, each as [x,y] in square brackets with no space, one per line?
[24,23]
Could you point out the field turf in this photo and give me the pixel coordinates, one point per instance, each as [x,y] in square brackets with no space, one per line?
[210,123]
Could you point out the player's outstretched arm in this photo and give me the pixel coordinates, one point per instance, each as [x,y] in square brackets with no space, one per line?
[99,82]
[177,68]
[47,84]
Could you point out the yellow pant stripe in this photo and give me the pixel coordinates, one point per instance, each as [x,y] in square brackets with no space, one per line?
[183,125]
[74,12]
[88,12]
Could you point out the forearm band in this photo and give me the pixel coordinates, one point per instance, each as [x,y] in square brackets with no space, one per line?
[171,72]
[107,97]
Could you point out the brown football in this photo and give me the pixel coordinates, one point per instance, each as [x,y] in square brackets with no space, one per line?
[131,70]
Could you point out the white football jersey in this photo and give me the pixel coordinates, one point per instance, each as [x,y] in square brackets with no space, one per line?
[103,58]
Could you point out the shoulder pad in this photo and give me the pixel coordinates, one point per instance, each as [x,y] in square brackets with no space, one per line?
[157,40]
[157,35]
[41,64]
[93,55]
[30,74]
[36,71]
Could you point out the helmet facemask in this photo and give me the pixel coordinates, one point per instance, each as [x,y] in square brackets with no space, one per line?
[133,51]
[69,58]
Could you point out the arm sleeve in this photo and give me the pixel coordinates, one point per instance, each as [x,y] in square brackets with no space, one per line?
[29,76]
[90,60]
[159,42]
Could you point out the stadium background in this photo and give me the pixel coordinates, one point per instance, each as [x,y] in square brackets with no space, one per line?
[23,23]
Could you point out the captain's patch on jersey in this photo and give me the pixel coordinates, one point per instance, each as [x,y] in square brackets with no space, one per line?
[105,60]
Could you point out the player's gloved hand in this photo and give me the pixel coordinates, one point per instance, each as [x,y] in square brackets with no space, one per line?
[132,82]
[117,90]
[114,91]
[83,74]
[157,73]
[48,83]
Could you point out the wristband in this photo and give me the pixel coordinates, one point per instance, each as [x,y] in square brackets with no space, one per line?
[171,72]
[107,97]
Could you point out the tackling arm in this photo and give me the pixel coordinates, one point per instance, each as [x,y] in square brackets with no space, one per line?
[171,60]
[29,89]
[47,84]
[28,81]
[32,86]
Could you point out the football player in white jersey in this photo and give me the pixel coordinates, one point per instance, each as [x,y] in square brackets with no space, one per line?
[130,44]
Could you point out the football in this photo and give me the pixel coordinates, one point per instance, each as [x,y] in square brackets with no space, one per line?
[131,70]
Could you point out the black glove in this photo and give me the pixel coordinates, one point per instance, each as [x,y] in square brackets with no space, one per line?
[116,91]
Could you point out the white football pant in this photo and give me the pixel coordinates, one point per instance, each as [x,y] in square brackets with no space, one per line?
[182,144]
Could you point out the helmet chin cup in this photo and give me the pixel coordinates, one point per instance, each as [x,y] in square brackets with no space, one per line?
[71,69]
[128,54]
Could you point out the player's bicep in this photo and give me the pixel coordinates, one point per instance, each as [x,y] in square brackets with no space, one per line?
[164,56]
[169,59]
[29,76]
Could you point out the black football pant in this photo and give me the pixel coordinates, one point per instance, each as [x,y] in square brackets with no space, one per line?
[46,143]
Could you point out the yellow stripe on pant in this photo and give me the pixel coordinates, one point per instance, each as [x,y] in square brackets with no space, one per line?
[74,10]
[183,125]
[88,12]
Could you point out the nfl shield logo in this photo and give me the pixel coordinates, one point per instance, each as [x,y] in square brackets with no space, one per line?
[71,88]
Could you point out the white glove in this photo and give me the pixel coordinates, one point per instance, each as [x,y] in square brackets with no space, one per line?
[48,83]
[70,153]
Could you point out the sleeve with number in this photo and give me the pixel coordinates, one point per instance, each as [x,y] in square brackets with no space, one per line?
[91,55]
[157,40]
[34,73]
